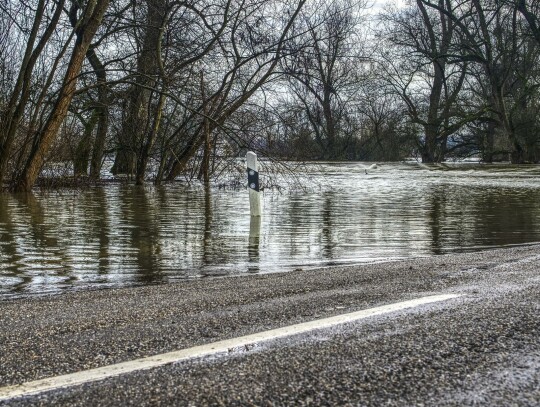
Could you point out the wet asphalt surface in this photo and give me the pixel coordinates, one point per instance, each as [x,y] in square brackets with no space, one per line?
[482,349]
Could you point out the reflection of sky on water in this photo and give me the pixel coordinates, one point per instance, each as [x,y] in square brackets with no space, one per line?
[127,235]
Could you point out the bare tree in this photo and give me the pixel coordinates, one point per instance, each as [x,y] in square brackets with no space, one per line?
[491,37]
[325,73]
[40,23]
[250,54]
[85,30]
[421,71]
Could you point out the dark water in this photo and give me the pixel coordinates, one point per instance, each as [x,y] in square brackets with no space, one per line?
[122,235]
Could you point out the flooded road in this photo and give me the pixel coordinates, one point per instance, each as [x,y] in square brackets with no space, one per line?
[124,235]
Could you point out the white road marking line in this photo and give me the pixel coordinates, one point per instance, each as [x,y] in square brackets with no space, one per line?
[100,373]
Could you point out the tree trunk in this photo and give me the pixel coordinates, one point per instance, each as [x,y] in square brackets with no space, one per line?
[145,153]
[204,172]
[103,114]
[516,152]
[90,22]
[10,120]
[82,152]
[330,125]
[137,120]
[489,142]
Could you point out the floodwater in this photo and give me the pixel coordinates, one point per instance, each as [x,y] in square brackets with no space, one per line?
[121,235]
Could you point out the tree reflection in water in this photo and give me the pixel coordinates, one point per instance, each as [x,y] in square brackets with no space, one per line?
[121,234]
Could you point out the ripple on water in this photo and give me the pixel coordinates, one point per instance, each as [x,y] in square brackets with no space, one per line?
[346,214]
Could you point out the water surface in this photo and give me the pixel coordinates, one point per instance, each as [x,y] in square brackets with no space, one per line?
[124,235]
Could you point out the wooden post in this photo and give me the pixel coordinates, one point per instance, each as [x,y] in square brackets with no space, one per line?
[253,184]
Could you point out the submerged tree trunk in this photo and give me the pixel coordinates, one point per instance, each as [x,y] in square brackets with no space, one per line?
[136,124]
[102,110]
[437,50]
[488,142]
[10,120]
[329,122]
[82,152]
[204,172]
[430,153]
[86,29]
[149,143]
[498,71]
[516,150]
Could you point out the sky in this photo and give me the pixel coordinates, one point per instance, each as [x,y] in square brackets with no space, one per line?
[379,4]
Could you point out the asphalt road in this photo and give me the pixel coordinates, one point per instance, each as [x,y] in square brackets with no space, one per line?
[482,349]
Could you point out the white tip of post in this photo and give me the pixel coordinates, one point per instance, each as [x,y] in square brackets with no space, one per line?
[251,160]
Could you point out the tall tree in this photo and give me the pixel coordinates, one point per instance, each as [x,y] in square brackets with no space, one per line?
[137,117]
[44,20]
[325,73]
[491,37]
[251,53]
[422,72]
[87,25]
